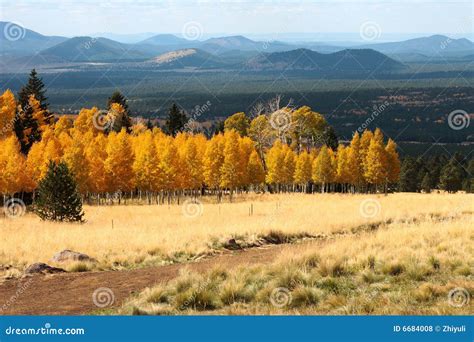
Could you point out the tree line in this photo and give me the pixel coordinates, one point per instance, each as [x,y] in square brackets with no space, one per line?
[278,149]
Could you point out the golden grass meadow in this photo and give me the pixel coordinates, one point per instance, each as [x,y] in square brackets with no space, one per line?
[140,235]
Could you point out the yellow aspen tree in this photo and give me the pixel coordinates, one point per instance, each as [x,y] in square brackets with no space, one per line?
[230,168]
[39,114]
[96,154]
[63,125]
[255,171]
[146,163]
[118,164]
[364,148]
[355,163]
[376,161]
[343,172]
[169,165]
[246,146]
[75,158]
[323,171]
[193,164]
[393,162]
[275,161]
[288,166]
[303,169]
[12,165]
[213,160]
[7,113]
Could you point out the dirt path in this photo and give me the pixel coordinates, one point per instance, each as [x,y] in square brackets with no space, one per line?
[71,293]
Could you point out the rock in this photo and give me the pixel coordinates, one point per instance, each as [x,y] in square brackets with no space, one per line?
[232,245]
[42,268]
[68,255]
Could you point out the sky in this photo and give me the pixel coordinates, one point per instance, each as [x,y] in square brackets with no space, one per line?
[276,20]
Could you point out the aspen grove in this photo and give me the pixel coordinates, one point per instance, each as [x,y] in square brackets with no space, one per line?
[149,165]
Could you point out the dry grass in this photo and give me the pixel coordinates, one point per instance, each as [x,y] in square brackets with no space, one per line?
[128,236]
[403,268]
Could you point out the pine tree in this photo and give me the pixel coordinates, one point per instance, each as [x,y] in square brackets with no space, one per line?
[57,197]
[426,183]
[27,128]
[330,138]
[408,176]
[451,176]
[176,120]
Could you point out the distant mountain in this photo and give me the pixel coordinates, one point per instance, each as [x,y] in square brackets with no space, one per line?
[165,39]
[429,46]
[16,40]
[88,49]
[186,58]
[350,60]
[241,43]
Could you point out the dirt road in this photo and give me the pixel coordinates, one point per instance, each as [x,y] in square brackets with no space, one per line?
[71,293]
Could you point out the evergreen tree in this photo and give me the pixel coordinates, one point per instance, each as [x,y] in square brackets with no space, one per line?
[123,119]
[176,121]
[408,176]
[27,128]
[451,176]
[57,198]
[426,183]
[330,138]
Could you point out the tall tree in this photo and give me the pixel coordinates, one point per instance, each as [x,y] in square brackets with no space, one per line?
[408,176]
[451,176]
[27,128]
[57,196]
[7,113]
[176,121]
